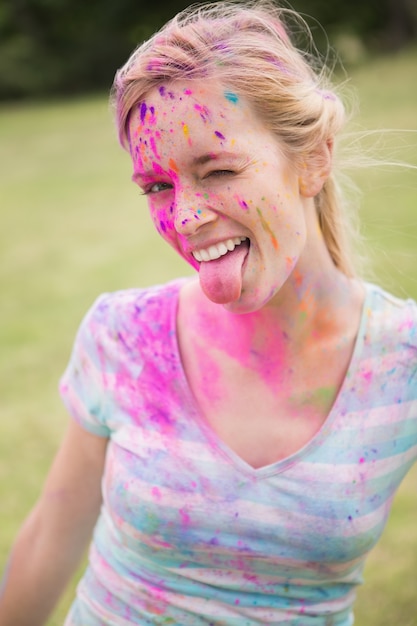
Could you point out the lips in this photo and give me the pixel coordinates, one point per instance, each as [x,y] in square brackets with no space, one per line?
[217,250]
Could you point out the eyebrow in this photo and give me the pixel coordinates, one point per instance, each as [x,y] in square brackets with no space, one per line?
[199,160]
[213,156]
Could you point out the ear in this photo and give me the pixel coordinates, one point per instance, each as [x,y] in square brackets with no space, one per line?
[316,170]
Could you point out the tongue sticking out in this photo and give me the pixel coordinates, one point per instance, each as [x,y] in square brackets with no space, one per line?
[221,279]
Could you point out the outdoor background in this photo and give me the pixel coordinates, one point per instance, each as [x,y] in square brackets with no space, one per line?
[72,225]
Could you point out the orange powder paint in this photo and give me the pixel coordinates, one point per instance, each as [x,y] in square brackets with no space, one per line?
[298,278]
[173,165]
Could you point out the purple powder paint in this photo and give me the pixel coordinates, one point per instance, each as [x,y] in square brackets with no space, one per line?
[204,112]
[162,90]
[143,109]
[219,135]
[279,64]
[326,95]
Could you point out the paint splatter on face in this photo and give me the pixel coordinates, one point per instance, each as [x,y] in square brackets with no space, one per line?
[219,190]
[231,96]
[267,228]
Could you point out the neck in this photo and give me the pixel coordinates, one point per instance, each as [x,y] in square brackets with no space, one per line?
[307,316]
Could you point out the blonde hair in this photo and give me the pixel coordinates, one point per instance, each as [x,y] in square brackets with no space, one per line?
[248,48]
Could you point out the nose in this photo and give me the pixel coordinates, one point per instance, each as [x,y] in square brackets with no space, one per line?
[191,213]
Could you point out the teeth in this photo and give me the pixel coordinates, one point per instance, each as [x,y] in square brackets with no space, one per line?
[215,252]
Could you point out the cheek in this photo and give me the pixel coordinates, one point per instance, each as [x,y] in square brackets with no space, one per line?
[163,219]
[162,216]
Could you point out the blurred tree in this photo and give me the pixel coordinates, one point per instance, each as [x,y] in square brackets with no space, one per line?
[70,46]
[381,25]
[401,25]
[67,46]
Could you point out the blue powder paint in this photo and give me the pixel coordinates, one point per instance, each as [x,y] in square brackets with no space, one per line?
[218,134]
[232,97]
[143,109]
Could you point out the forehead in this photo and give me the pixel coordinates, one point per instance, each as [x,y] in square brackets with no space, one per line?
[177,125]
[182,105]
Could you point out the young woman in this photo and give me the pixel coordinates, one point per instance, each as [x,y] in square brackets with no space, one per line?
[237,437]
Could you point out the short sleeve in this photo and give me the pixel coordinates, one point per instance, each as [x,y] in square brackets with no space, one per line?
[83,385]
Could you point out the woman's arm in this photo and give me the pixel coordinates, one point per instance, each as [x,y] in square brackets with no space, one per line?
[53,538]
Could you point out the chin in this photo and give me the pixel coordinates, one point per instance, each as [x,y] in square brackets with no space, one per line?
[246,304]
[250,302]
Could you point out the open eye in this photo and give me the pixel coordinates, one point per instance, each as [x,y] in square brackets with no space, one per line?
[157,188]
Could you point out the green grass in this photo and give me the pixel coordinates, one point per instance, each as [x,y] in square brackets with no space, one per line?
[72,226]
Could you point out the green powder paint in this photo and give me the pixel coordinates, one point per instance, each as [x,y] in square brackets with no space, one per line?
[319,398]
[267,228]
[302,316]
[324,395]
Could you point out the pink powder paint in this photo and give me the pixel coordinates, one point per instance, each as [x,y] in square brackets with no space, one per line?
[203,111]
[185,518]
[154,148]
[367,376]
[244,205]
[156,493]
[243,346]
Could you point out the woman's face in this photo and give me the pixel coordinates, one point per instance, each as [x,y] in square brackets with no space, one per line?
[220,190]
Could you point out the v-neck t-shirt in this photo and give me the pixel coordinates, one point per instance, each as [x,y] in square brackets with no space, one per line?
[189,533]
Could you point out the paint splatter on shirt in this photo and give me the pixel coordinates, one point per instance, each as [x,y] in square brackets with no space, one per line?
[190,534]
